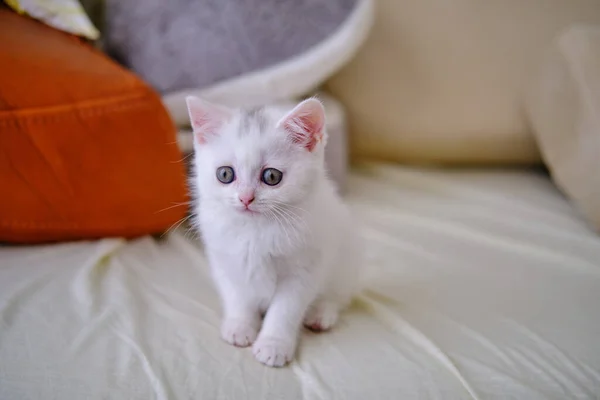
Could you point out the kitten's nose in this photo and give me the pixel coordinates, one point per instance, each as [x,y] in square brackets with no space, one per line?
[247,198]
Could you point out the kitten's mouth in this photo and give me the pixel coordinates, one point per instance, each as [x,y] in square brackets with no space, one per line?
[246,210]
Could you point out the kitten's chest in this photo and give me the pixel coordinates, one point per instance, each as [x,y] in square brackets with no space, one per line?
[248,262]
[262,240]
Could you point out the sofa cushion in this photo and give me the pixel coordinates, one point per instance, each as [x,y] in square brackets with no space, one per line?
[564,108]
[443,82]
[86,148]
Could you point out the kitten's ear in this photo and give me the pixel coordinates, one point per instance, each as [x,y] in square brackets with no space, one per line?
[206,118]
[305,123]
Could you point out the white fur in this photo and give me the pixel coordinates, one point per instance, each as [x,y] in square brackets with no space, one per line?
[295,258]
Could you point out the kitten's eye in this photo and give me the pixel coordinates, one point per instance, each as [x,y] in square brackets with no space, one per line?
[225,174]
[271,176]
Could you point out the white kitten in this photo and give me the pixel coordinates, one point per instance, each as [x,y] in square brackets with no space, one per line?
[278,238]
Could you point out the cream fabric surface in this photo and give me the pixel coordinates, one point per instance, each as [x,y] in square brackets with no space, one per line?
[564,108]
[443,81]
[481,285]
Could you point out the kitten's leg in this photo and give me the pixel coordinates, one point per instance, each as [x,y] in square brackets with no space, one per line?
[322,315]
[343,285]
[240,325]
[277,341]
[241,314]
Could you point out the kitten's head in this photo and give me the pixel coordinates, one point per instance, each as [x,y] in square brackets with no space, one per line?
[257,162]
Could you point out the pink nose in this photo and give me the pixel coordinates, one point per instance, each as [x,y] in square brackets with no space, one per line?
[246,199]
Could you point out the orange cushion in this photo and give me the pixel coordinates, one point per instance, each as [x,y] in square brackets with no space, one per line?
[86,148]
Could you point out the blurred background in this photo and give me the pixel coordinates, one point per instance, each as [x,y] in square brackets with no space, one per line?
[464,135]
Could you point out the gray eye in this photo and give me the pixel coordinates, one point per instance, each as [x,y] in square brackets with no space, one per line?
[271,176]
[225,174]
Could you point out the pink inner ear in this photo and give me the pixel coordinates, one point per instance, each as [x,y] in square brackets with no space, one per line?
[204,126]
[205,118]
[305,124]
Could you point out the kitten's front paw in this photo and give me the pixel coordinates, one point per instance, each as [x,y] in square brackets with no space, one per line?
[239,333]
[273,352]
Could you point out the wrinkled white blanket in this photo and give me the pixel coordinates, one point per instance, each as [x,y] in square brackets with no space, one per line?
[482,285]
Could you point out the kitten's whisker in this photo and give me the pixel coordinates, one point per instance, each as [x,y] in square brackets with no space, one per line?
[279,221]
[288,216]
[190,234]
[273,218]
[176,225]
[283,222]
[299,223]
[183,159]
[286,219]
[289,206]
[293,217]
[185,203]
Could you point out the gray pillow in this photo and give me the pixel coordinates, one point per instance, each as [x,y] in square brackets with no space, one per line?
[181,44]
